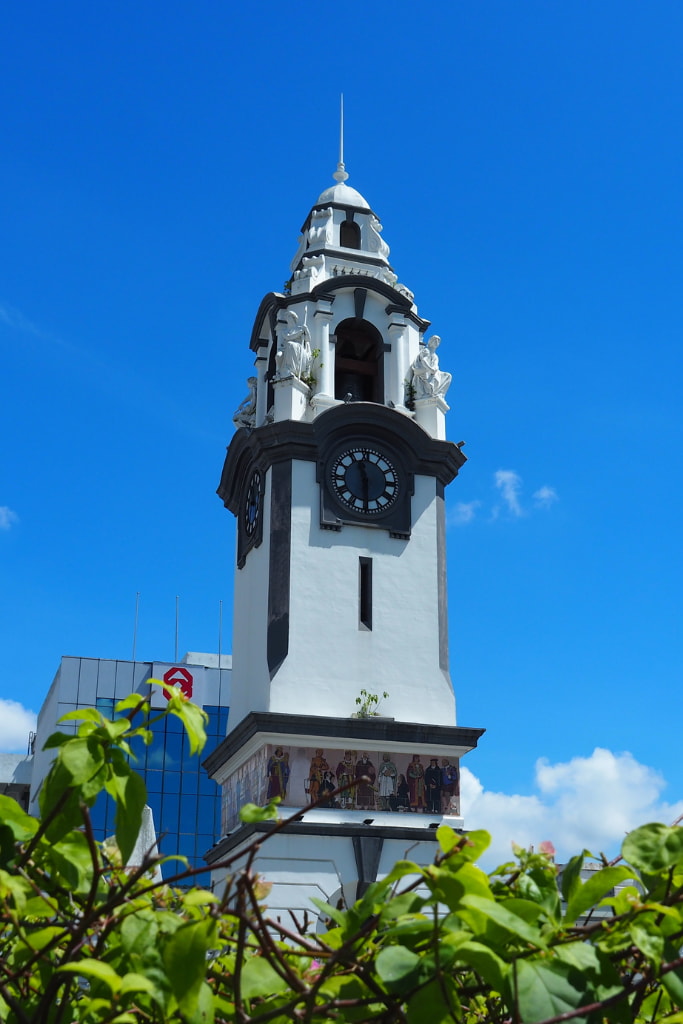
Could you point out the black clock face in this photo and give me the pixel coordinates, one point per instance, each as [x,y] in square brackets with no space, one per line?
[252,504]
[365,481]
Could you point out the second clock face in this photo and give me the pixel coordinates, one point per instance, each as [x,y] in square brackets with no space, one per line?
[364,480]
[252,504]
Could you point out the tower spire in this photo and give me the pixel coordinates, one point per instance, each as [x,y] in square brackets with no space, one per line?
[340,174]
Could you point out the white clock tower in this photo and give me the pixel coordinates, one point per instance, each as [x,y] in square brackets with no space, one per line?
[336,476]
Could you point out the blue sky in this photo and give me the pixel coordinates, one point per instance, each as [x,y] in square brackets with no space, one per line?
[525,162]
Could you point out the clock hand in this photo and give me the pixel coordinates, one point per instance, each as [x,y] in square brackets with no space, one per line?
[364,482]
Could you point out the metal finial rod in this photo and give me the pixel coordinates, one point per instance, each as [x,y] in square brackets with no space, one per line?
[135,626]
[177,602]
[340,174]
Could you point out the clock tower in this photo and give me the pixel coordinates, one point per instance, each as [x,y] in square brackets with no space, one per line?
[336,476]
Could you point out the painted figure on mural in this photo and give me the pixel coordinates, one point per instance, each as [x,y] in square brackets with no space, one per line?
[365,791]
[387,784]
[278,774]
[346,773]
[415,774]
[402,794]
[316,774]
[327,786]
[433,786]
[450,787]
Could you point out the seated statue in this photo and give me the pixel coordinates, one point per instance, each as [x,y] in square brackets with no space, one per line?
[245,414]
[427,379]
[294,357]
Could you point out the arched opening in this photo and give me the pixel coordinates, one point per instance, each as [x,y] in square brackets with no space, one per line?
[349,234]
[358,361]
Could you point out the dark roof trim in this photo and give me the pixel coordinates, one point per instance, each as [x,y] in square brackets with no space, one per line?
[363,730]
[274,301]
[336,206]
[292,439]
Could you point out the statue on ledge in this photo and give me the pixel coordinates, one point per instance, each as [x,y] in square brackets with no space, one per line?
[427,379]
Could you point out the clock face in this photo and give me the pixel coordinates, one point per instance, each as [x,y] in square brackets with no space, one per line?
[252,504]
[364,480]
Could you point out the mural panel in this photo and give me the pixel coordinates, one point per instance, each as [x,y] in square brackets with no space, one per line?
[400,783]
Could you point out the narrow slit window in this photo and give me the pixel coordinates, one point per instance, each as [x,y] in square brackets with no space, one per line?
[365,593]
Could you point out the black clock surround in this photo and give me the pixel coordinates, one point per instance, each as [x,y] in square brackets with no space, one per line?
[250,515]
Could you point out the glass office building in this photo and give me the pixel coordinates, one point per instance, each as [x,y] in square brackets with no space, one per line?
[185,802]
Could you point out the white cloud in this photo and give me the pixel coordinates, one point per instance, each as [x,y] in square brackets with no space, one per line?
[588,802]
[545,496]
[16,722]
[509,484]
[7,517]
[463,512]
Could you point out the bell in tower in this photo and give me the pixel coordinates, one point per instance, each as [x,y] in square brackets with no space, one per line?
[343,706]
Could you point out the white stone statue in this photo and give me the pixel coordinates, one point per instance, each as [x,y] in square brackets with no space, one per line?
[427,379]
[245,414]
[294,357]
[320,231]
[375,242]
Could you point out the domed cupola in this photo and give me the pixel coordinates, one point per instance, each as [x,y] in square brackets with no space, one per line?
[344,330]
[341,235]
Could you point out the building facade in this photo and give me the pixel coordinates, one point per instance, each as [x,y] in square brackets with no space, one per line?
[184,801]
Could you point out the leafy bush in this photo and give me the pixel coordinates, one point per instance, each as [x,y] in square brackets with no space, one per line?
[83,938]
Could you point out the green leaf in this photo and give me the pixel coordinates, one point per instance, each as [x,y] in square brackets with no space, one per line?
[506,919]
[259,980]
[82,758]
[82,715]
[134,982]
[485,962]
[252,812]
[673,983]
[185,960]
[18,889]
[649,941]
[548,989]
[398,968]
[130,794]
[436,1002]
[132,701]
[336,915]
[653,848]
[96,969]
[71,858]
[403,869]
[447,838]
[12,816]
[193,718]
[591,892]
[571,876]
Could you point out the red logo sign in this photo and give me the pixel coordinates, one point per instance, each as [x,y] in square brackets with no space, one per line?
[181,679]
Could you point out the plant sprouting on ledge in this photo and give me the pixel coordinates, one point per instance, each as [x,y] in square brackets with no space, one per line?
[368,704]
[84,939]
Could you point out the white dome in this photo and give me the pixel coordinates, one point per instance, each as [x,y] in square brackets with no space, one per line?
[343,194]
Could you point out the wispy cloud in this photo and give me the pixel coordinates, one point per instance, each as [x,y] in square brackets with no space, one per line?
[510,503]
[8,517]
[463,512]
[509,484]
[16,722]
[545,496]
[587,802]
